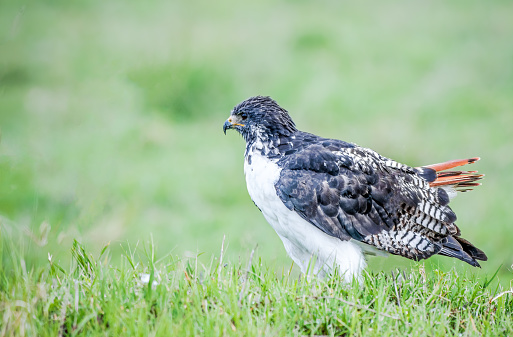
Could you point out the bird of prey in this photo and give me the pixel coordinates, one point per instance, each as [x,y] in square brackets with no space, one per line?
[332,202]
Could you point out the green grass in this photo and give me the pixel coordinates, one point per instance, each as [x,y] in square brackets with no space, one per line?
[247,298]
[111,116]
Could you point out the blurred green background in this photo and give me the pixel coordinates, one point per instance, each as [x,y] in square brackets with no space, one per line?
[111,114]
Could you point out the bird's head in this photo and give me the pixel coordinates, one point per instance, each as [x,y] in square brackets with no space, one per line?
[260,116]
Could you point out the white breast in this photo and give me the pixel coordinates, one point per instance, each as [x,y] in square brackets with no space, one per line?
[310,248]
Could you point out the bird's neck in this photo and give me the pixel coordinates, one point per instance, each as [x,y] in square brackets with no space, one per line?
[265,144]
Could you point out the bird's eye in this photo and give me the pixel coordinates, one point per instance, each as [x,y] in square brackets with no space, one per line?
[244,116]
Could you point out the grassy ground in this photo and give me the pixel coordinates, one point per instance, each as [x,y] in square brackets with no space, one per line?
[111,116]
[186,298]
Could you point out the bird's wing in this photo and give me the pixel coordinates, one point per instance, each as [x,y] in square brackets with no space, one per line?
[353,192]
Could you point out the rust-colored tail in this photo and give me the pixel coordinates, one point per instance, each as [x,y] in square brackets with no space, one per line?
[461,180]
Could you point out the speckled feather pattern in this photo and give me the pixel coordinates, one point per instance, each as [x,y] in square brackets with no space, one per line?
[344,191]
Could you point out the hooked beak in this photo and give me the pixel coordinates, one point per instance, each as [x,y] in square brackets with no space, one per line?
[230,123]
[227,125]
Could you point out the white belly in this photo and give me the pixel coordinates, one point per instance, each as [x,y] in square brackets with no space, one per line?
[310,248]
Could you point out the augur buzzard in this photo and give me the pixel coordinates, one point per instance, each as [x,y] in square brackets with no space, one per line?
[332,202]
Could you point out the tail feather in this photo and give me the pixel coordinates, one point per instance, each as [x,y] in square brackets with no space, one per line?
[460,180]
[452,164]
[463,179]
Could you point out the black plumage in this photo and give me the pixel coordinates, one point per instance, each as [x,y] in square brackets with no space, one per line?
[350,192]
